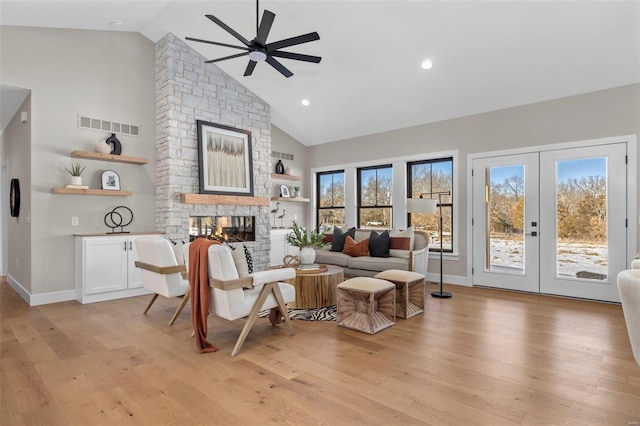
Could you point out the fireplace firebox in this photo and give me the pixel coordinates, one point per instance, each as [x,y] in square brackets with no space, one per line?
[230,229]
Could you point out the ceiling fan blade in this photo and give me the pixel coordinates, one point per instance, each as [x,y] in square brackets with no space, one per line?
[296,56]
[228,29]
[249,70]
[211,61]
[265,27]
[215,42]
[305,38]
[277,65]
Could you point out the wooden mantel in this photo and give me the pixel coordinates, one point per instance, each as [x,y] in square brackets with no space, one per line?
[223,199]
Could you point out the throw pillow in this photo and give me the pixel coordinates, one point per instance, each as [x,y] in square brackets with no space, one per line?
[339,237]
[247,255]
[177,247]
[401,242]
[379,244]
[240,260]
[356,249]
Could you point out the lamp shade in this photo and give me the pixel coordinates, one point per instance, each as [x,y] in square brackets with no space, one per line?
[421,205]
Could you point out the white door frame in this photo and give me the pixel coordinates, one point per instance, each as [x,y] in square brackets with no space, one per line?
[632,187]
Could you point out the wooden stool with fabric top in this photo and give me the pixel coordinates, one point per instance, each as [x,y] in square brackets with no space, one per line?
[366,304]
[409,291]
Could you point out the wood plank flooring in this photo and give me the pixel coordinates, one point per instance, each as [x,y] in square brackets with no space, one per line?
[484,357]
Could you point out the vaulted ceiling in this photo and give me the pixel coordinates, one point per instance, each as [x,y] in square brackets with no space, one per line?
[486,55]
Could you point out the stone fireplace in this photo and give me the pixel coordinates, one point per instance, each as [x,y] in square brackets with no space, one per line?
[187,90]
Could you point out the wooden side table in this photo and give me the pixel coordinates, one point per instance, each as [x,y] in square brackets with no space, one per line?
[318,289]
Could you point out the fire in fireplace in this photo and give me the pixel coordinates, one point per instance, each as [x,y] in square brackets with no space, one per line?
[222,228]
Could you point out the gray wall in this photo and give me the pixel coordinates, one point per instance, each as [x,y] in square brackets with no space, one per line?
[612,112]
[282,142]
[16,141]
[106,75]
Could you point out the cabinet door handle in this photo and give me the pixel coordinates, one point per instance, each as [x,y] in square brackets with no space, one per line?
[130,245]
[125,246]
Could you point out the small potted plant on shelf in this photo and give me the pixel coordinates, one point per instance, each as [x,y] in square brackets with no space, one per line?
[76,173]
[296,191]
[305,241]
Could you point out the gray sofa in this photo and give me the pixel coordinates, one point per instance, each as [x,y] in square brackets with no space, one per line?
[415,260]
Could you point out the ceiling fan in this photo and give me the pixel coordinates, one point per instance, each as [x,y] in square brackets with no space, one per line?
[258,49]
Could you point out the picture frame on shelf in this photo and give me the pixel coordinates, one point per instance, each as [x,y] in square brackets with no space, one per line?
[110,180]
[284,191]
[225,164]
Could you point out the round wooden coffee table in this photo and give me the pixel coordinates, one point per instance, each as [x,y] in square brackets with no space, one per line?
[318,289]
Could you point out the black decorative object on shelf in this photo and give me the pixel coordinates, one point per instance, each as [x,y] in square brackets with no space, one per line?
[114,143]
[115,219]
[279,167]
[14,198]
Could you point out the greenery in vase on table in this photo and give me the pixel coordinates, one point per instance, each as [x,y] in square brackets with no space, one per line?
[300,237]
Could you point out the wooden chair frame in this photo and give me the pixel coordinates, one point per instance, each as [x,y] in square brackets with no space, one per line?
[166,270]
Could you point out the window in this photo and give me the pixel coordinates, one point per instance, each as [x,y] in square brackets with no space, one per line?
[428,177]
[330,196]
[374,197]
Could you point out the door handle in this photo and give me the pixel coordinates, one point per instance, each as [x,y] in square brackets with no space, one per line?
[532,234]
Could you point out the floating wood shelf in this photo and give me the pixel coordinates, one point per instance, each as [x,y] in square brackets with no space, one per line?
[223,199]
[108,157]
[90,191]
[285,177]
[293,199]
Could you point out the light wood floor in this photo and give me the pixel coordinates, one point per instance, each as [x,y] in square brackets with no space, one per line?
[484,357]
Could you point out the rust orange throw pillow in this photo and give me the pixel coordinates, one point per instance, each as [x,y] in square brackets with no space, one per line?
[356,249]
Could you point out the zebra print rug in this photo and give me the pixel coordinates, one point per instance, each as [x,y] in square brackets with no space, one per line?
[319,314]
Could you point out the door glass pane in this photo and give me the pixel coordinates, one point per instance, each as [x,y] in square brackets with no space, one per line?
[505,219]
[581,218]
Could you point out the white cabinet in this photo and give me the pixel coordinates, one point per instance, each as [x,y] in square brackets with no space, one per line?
[279,246]
[105,268]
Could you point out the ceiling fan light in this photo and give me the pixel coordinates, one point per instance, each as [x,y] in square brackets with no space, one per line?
[257,56]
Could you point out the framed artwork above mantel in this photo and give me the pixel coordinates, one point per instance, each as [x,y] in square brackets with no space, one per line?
[225,164]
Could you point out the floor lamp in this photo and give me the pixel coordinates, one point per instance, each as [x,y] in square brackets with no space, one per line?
[429,205]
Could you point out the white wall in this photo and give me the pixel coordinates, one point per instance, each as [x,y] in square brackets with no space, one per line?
[612,112]
[106,75]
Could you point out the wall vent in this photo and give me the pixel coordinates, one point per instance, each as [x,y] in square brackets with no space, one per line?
[89,123]
[281,155]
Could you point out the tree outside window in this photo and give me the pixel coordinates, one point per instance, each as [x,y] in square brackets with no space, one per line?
[330,196]
[374,197]
[427,177]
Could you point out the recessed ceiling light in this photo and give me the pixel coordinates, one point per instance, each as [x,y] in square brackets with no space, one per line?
[116,23]
[305,102]
[427,64]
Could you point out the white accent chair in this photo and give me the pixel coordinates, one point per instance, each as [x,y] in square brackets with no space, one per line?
[629,289]
[635,264]
[234,297]
[161,272]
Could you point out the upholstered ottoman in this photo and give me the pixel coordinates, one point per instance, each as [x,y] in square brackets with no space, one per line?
[409,291]
[366,304]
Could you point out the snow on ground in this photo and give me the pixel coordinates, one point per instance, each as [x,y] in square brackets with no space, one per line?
[572,257]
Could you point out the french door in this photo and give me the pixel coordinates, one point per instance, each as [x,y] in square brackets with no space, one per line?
[551,222]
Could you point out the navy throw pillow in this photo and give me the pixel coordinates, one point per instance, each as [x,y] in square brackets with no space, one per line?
[337,244]
[379,244]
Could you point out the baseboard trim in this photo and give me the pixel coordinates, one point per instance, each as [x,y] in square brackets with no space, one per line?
[22,292]
[448,279]
[53,297]
[41,299]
